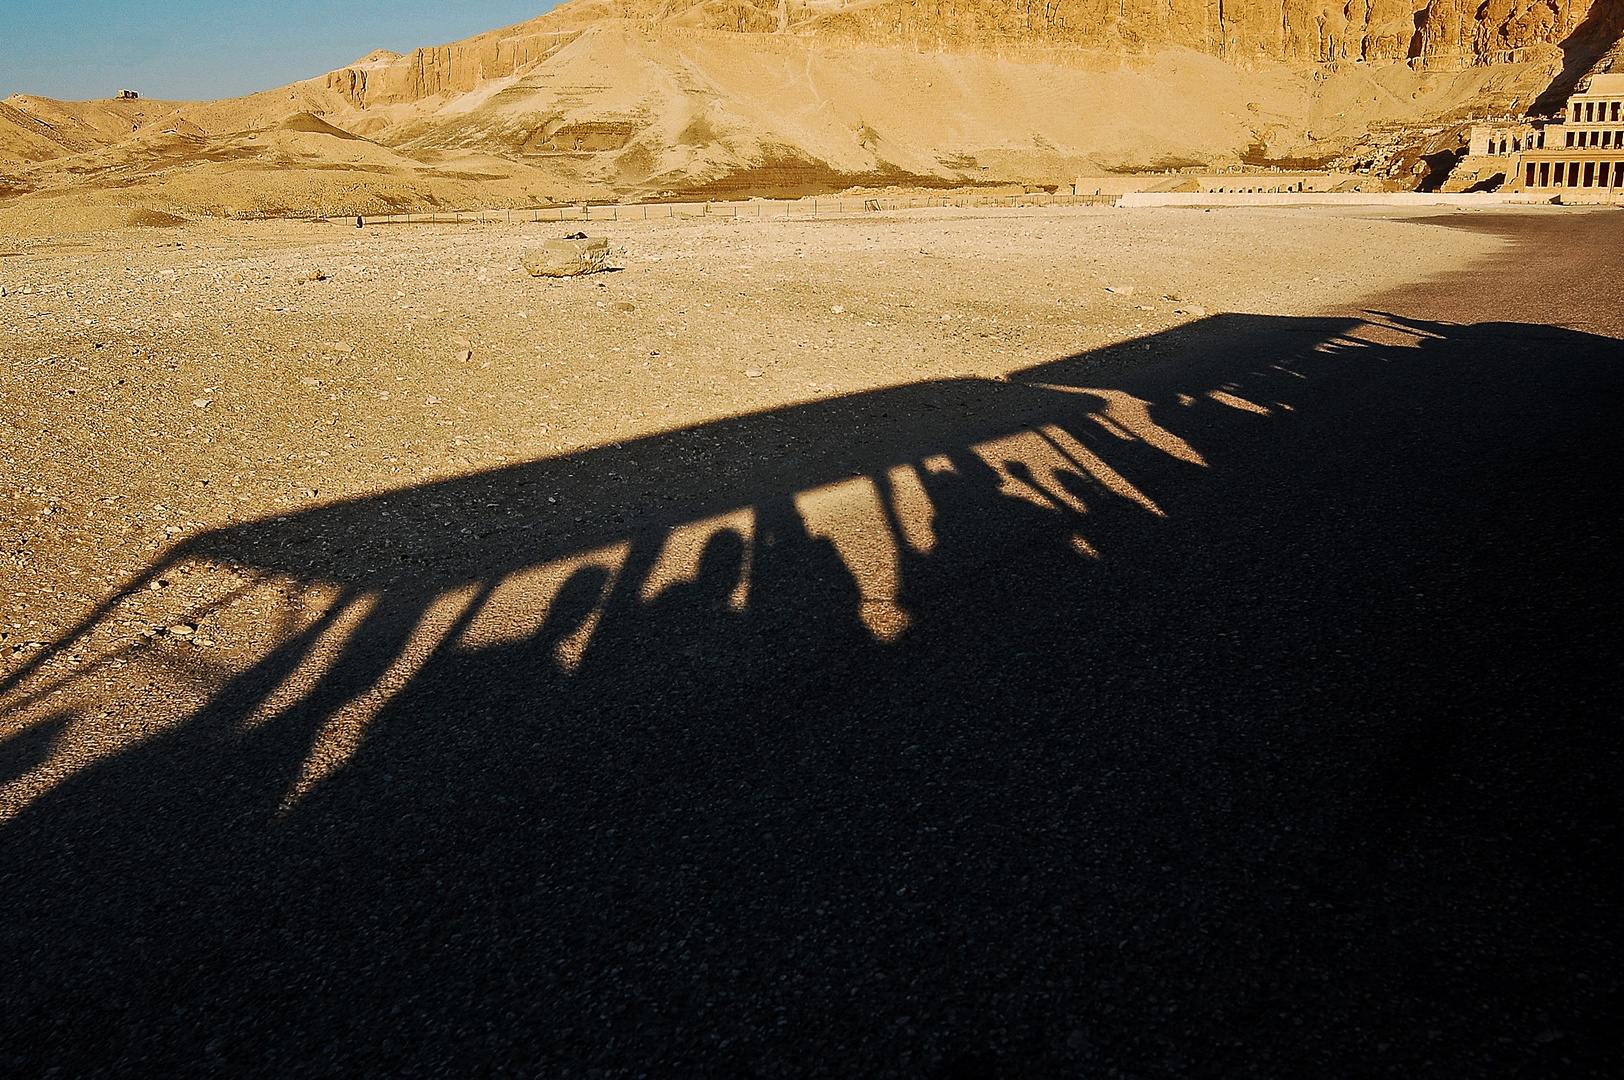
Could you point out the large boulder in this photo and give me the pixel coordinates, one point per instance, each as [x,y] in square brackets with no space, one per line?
[566,258]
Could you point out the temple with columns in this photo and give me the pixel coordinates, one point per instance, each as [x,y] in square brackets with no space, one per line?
[1581,155]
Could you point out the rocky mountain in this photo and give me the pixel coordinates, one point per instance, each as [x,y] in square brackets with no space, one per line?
[1439,35]
[638,98]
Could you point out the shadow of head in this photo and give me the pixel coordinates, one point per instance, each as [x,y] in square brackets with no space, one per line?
[576,601]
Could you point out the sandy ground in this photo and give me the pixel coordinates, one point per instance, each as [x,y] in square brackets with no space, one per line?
[856,646]
[166,382]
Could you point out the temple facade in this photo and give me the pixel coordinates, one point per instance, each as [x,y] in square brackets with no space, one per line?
[1580,156]
[1501,140]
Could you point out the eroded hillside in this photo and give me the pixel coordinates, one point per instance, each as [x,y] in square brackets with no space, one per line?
[626,98]
[1440,34]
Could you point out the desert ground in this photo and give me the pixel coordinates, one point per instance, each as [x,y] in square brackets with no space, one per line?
[950,642]
[166,382]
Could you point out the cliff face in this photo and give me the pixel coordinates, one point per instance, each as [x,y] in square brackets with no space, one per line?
[1436,34]
[780,97]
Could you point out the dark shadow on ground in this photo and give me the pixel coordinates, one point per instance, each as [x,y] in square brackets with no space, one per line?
[1310,771]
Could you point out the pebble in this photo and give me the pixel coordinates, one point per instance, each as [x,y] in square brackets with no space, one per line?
[1120,290]
[182,630]
[202,402]
[752,373]
[465,355]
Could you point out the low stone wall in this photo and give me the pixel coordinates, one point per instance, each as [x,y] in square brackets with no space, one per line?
[1330,198]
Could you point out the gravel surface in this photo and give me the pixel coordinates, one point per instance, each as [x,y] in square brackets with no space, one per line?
[951,665]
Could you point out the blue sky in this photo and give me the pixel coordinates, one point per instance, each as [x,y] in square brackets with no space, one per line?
[204,49]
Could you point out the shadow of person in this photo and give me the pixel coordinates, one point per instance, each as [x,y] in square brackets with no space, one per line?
[720,575]
[803,604]
[506,693]
[569,616]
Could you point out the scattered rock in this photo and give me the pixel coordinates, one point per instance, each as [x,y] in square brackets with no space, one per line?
[566,258]
[1120,290]
[752,373]
[182,630]
[1191,309]
[305,276]
[202,402]
[465,355]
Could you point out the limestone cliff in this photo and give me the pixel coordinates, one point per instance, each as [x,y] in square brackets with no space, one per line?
[1433,34]
[633,98]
